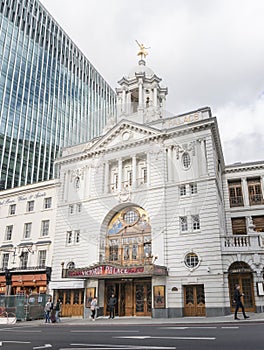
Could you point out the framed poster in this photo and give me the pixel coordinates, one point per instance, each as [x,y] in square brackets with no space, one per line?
[90,294]
[159,297]
[260,289]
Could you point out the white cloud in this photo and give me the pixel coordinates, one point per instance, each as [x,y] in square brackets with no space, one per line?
[209,53]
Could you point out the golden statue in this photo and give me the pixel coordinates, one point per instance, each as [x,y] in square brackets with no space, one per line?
[142,50]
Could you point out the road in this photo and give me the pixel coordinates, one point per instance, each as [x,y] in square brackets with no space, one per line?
[241,335]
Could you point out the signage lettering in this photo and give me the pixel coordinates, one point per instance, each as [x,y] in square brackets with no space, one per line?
[105,270]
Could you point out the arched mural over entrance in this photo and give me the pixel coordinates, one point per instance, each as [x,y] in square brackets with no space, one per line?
[241,273]
[128,237]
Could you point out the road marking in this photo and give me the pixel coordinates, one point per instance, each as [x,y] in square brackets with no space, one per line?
[230,327]
[177,338]
[91,331]
[188,327]
[14,342]
[119,347]
[45,346]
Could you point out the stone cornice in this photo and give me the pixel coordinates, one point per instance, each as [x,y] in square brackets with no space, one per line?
[229,169]
[159,135]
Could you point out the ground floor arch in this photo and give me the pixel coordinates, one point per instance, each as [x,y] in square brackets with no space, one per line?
[241,273]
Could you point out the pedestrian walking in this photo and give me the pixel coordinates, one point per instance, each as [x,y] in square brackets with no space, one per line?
[93,308]
[57,310]
[238,302]
[112,303]
[47,310]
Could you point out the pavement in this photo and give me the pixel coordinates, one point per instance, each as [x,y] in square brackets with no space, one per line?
[253,317]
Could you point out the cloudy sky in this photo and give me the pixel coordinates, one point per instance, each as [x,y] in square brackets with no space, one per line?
[208,53]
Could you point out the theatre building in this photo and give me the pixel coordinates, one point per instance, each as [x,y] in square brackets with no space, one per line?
[142,214]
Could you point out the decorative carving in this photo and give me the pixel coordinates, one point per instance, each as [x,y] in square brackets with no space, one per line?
[156,148]
[186,147]
[124,195]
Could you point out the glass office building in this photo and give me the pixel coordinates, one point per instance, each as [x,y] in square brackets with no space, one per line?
[50,94]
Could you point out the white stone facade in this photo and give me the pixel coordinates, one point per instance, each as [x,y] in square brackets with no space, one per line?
[27,221]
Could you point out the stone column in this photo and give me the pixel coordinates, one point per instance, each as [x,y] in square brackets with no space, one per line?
[134,172]
[148,169]
[120,174]
[124,100]
[155,94]
[106,179]
[262,184]
[140,94]
[245,191]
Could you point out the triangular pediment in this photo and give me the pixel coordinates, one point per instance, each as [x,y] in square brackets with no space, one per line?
[125,132]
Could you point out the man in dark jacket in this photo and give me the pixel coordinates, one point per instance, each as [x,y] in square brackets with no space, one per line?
[112,303]
[238,302]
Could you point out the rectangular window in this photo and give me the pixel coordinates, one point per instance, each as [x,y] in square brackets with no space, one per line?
[47,203]
[77,236]
[71,209]
[239,226]
[45,228]
[9,231]
[23,260]
[255,192]
[42,258]
[145,175]
[184,223]
[27,229]
[12,209]
[126,252]
[79,207]
[182,189]
[134,251]
[30,206]
[193,188]
[5,260]
[69,238]
[113,253]
[195,222]
[115,182]
[235,193]
[258,221]
[129,178]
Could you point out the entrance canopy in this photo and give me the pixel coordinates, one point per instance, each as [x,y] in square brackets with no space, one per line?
[113,271]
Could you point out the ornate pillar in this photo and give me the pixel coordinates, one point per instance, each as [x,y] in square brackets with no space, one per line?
[169,164]
[148,169]
[120,174]
[262,185]
[134,172]
[155,94]
[124,100]
[140,94]
[106,178]
[245,191]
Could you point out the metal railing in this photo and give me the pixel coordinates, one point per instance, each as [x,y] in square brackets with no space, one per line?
[236,201]
[256,199]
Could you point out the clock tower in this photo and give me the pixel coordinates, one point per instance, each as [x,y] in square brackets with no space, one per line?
[140,96]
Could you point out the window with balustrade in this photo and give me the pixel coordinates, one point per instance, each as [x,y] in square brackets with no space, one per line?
[235,193]
[128,239]
[255,192]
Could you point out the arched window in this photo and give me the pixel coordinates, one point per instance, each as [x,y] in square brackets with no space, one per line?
[128,238]
[186,160]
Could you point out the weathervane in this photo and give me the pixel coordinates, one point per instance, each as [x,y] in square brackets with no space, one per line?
[142,50]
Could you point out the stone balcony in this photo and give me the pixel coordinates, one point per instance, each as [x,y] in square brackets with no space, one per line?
[241,243]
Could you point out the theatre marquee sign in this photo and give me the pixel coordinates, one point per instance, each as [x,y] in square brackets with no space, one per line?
[101,271]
